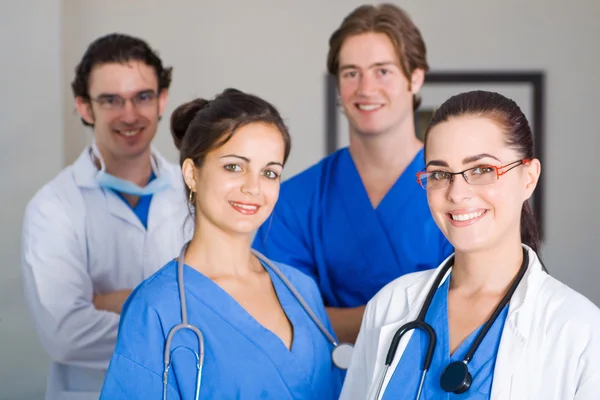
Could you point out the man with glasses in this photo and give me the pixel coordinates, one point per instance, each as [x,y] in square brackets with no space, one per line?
[106,222]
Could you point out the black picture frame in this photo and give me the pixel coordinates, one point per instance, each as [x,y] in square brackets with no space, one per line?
[535,80]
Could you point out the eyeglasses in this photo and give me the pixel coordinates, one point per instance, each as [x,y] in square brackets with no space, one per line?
[116,102]
[481,175]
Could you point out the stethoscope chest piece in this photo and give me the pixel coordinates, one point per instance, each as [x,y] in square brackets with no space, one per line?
[341,355]
[456,378]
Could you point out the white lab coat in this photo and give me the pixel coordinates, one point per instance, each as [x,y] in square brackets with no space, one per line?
[79,240]
[550,345]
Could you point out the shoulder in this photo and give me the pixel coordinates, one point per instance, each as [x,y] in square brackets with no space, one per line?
[61,194]
[171,169]
[296,276]
[392,302]
[418,278]
[567,324]
[564,307]
[153,292]
[146,319]
[300,281]
[148,306]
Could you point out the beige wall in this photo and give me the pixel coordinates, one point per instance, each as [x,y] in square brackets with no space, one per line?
[31,153]
[277,49]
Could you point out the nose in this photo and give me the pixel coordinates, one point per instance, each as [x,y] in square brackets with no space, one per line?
[251,185]
[459,190]
[366,85]
[129,113]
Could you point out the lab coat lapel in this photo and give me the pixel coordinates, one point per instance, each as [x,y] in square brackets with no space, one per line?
[516,331]
[84,174]
[167,203]
[119,209]
[415,296]
[507,360]
[163,206]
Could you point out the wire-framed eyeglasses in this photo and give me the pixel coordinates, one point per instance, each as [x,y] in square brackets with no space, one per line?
[116,102]
[480,175]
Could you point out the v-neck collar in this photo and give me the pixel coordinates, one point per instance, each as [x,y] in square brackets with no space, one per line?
[484,352]
[238,317]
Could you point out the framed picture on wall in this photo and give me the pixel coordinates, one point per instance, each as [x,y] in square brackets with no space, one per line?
[526,88]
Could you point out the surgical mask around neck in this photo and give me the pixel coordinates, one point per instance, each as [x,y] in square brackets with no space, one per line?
[108,181]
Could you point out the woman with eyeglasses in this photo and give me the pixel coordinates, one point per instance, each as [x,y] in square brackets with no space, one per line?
[489,322]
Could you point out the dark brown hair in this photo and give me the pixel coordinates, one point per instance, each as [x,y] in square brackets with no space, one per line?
[390,20]
[517,132]
[117,48]
[201,126]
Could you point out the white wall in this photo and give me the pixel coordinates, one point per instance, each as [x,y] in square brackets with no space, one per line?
[277,50]
[31,153]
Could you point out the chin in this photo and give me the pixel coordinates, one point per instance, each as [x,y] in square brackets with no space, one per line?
[243,228]
[469,243]
[365,128]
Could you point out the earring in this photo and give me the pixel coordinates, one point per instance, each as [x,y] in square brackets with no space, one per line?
[190,197]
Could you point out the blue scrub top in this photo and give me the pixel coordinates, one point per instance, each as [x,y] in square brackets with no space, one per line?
[407,375]
[325,225]
[243,359]
[142,207]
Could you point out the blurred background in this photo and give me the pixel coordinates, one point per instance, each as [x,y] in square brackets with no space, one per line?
[277,49]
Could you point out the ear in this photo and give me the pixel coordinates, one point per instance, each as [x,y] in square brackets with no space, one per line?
[188,169]
[162,101]
[416,80]
[84,108]
[532,175]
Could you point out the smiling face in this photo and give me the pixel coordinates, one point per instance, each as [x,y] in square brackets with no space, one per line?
[237,185]
[123,130]
[477,217]
[376,95]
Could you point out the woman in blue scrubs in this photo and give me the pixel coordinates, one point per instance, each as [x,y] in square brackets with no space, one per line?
[495,323]
[259,342]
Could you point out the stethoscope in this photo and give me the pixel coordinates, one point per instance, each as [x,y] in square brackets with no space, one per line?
[340,355]
[456,377]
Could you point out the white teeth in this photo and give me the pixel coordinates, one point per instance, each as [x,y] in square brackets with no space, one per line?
[466,217]
[129,133]
[244,206]
[369,107]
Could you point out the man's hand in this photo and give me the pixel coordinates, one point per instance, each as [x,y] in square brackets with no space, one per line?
[346,322]
[112,301]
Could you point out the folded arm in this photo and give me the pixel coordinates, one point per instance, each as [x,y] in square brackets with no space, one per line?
[346,322]
[112,301]
[59,292]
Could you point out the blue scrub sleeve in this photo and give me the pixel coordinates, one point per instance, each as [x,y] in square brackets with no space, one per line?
[135,370]
[281,238]
[123,371]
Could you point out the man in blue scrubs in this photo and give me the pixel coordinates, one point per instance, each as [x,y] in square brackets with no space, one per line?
[358,219]
[107,221]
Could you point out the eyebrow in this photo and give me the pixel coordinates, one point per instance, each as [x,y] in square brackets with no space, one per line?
[377,64]
[246,159]
[144,91]
[467,160]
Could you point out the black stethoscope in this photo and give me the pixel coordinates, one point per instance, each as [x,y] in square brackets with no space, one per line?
[456,377]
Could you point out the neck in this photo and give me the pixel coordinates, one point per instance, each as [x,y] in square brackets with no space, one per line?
[391,151]
[217,253]
[487,272]
[135,169]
